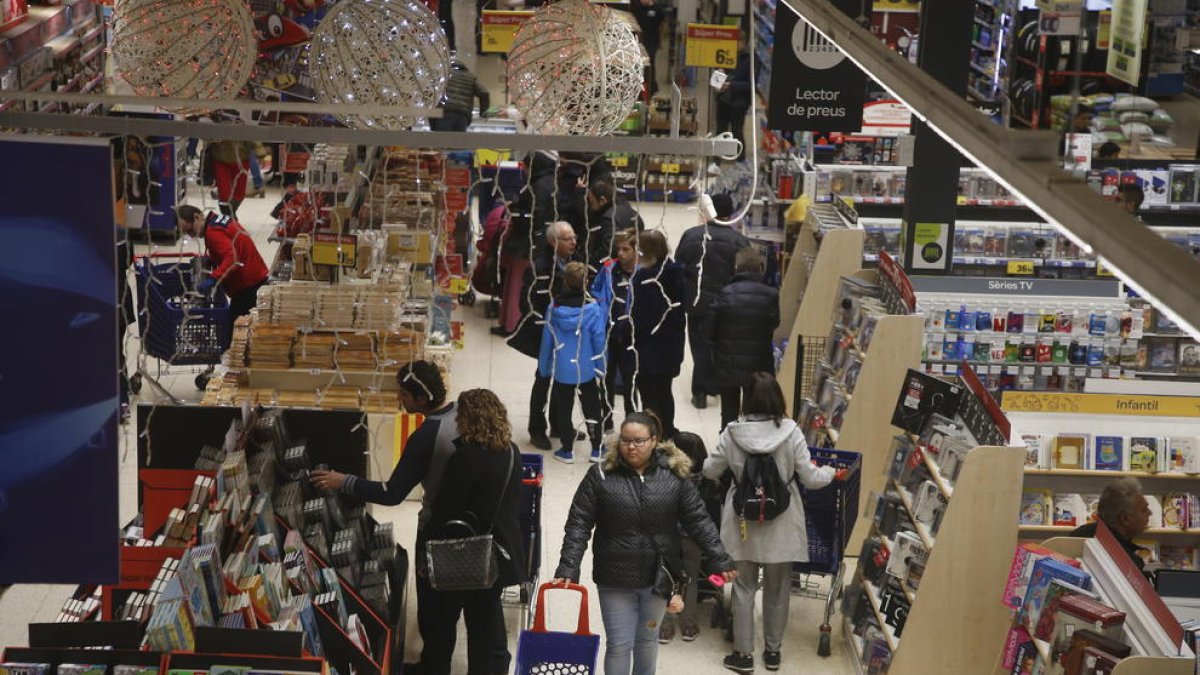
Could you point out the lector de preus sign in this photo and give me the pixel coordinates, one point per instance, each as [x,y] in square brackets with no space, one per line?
[814,87]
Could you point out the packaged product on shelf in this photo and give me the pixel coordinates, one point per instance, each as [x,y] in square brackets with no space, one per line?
[1037,506]
[1174,510]
[1069,451]
[1037,451]
[1044,571]
[1091,503]
[1183,454]
[1026,556]
[1155,504]
[1177,557]
[929,505]
[1087,642]
[1108,454]
[907,550]
[1069,510]
[1055,593]
[1077,612]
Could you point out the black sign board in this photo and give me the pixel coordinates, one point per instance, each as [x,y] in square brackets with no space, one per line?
[814,87]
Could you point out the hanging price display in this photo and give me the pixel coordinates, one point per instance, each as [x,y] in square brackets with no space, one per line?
[1103,270]
[499,28]
[711,46]
[459,285]
[668,167]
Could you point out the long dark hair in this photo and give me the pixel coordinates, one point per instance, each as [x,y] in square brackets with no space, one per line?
[761,395]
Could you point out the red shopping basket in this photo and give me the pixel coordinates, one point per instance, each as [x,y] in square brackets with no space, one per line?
[543,652]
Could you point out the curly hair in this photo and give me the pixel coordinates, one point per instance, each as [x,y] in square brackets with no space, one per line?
[483,420]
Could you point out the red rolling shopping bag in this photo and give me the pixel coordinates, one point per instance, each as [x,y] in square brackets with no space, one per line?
[543,652]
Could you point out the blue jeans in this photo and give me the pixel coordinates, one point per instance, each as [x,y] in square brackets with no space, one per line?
[255,171]
[631,620]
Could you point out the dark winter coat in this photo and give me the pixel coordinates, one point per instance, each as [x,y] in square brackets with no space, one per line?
[655,328]
[739,95]
[543,282]
[708,264]
[635,518]
[473,482]
[462,88]
[739,326]
[556,196]
[602,225]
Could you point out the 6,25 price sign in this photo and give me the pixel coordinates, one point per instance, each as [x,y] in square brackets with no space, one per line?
[711,46]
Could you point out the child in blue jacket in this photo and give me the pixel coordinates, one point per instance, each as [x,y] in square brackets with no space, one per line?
[572,354]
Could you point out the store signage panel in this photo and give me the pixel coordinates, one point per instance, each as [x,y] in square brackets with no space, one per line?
[1074,288]
[931,246]
[1060,17]
[1100,404]
[499,27]
[896,5]
[335,249]
[886,118]
[1126,38]
[814,87]
[710,46]
[58,373]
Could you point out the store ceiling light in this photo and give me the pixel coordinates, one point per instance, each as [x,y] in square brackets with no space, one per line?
[1154,267]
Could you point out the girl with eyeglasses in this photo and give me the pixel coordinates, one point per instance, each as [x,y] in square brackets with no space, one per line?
[635,500]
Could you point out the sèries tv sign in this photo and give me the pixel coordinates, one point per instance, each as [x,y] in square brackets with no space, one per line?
[814,87]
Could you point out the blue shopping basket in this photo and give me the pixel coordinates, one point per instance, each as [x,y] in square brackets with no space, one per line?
[830,512]
[543,652]
[177,325]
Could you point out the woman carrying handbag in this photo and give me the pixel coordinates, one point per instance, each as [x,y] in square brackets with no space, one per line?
[479,499]
[635,500]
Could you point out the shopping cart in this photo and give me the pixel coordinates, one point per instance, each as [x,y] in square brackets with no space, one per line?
[543,652]
[829,513]
[531,527]
[178,326]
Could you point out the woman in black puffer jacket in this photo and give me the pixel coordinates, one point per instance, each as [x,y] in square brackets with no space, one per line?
[635,500]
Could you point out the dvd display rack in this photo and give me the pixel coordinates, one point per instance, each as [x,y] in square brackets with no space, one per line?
[874,339]
[826,246]
[937,526]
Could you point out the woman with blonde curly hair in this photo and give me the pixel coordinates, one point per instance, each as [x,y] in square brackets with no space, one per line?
[481,486]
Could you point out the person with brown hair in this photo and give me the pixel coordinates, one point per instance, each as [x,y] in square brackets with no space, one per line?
[482,487]
[764,441]
[655,328]
[573,356]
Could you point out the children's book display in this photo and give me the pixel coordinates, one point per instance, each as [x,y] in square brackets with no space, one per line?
[255,546]
[1082,606]
[902,588]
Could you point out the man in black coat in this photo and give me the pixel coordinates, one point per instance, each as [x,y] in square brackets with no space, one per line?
[606,216]
[740,324]
[543,282]
[734,98]
[707,254]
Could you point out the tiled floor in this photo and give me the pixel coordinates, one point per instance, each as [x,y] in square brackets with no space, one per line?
[486,362]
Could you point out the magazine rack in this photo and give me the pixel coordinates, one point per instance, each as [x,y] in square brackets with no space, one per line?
[950,624]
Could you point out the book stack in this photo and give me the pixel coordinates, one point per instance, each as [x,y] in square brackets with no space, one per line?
[271,345]
[1085,452]
[379,308]
[340,398]
[335,306]
[170,627]
[356,351]
[314,351]
[77,610]
[399,347]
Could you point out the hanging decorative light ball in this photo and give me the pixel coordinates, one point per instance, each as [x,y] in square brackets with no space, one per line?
[184,48]
[575,68]
[380,52]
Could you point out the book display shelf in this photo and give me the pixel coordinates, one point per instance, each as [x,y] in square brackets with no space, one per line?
[232,539]
[938,526]
[1081,605]
[848,364]
[1078,442]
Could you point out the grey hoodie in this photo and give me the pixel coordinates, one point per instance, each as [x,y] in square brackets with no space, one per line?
[785,538]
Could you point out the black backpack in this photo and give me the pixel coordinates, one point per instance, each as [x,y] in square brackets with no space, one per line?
[761,494]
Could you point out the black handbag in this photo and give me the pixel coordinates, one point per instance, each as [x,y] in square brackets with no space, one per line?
[466,563]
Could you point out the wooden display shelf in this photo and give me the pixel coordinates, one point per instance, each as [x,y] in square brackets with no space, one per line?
[304,379]
[922,531]
[889,633]
[1091,473]
[810,295]
[867,427]
[1152,532]
[956,628]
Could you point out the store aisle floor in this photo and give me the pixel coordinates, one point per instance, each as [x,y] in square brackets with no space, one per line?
[485,362]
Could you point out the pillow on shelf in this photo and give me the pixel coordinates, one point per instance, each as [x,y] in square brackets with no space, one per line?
[1137,129]
[1134,116]
[1125,103]
[1161,121]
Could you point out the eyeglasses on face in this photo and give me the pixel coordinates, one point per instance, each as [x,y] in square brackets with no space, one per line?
[635,442]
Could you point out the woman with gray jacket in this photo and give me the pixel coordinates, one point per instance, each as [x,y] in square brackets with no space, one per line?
[763,546]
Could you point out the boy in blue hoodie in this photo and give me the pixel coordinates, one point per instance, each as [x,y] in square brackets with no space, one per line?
[572,354]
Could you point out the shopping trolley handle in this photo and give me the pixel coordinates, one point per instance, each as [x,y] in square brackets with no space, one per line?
[539,619]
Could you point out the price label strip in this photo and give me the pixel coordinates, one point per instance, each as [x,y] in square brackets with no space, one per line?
[1020,267]
[498,29]
[710,46]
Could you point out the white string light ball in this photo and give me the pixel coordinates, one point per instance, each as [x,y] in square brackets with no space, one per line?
[184,48]
[380,52]
[575,68]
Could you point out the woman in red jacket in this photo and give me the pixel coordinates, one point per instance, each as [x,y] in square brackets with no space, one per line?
[237,266]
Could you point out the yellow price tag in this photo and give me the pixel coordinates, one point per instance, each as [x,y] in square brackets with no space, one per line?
[459,285]
[710,46]
[1103,270]
[848,201]
[897,5]
[1020,267]
[619,162]
[961,200]
[499,27]
[670,168]
[335,249]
